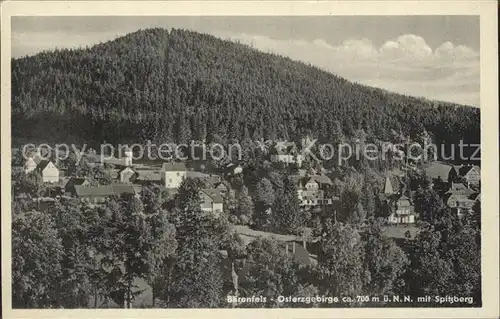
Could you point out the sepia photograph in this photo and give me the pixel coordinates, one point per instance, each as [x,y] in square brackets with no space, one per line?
[197,161]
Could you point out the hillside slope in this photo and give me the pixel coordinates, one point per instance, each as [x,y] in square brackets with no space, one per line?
[180,85]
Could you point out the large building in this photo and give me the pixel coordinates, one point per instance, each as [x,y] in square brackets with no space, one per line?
[98,194]
[173,174]
[311,190]
[397,207]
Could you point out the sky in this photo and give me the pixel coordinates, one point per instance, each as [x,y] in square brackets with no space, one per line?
[436,57]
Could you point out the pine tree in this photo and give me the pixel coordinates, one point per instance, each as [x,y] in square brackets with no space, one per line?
[244,206]
[196,275]
[384,261]
[37,253]
[340,260]
[264,199]
[287,215]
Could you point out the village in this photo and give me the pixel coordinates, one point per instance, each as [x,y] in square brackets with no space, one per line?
[319,193]
[317,189]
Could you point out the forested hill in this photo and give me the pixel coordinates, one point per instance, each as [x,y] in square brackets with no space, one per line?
[179,85]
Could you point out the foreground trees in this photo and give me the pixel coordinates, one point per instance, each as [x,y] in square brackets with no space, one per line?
[37,252]
[287,216]
[196,275]
[446,260]
[75,255]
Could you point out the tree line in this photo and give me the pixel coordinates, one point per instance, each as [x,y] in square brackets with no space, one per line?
[181,85]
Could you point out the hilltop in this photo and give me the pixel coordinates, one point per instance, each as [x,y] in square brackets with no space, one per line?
[179,85]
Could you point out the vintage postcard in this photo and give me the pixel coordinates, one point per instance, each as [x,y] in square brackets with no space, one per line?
[252,159]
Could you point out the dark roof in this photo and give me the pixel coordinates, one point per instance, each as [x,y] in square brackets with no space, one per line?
[393,198]
[103,190]
[475,196]
[214,195]
[462,170]
[148,175]
[37,159]
[224,183]
[74,181]
[84,191]
[120,189]
[113,161]
[459,188]
[174,167]
[320,179]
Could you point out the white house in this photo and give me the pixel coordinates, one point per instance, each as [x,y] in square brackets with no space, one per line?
[49,172]
[173,174]
[126,174]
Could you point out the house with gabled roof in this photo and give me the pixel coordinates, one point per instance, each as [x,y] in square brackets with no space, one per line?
[98,194]
[208,179]
[461,198]
[211,201]
[397,207]
[126,174]
[93,194]
[48,171]
[224,188]
[470,174]
[311,190]
[68,188]
[145,176]
[173,174]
